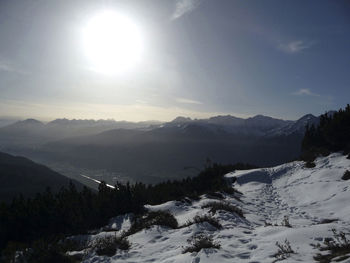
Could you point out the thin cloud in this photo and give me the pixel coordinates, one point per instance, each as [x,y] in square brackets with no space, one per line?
[188,101]
[305,92]
[184,7]
[295,47]
[6,67]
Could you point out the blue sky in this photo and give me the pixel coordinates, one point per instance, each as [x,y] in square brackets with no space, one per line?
[200,58]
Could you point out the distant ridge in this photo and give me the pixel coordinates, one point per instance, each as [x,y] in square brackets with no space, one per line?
[31,132]
[259,125]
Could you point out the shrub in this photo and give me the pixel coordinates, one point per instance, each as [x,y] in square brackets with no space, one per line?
[199,242]
[348,157]
[310,164]
[284,250]
[346,175]
[224,206]
[328,221]
[72,244]
[160,218]
[108,245]
[285,222]
[215,195]
[267,224]
[205,218]
[338,246]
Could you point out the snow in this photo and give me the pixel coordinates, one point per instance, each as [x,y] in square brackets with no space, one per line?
[307,196]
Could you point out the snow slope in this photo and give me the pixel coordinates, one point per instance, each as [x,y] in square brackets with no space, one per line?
[307,196]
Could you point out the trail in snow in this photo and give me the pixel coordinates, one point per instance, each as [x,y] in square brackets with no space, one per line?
[306,196]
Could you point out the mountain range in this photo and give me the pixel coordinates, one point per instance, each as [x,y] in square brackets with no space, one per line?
[152,151]
[259,125]
[31,132]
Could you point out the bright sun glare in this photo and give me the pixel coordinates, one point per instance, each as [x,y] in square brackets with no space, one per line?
[113,42]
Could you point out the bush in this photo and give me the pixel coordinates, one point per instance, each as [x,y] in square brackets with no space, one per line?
[200,241]
[328,221]
[338,246]
[346,175]
[284,250]
[223,206]
[205,218]
[107,246]
[310,164]
[215,195]
[160,218]
[285,222]
[348,157]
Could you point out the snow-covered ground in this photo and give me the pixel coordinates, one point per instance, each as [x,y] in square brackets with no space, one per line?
[306,195]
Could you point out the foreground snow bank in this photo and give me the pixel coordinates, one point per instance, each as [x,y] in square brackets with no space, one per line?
[308,197]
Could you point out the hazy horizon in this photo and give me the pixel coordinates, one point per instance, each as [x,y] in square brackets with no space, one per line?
[205,116]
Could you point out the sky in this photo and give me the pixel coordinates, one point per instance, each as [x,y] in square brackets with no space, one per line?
[199,58]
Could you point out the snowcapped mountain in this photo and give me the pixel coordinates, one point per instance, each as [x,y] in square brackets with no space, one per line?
[297,126]
[258,125]
[181,119]
[288,204]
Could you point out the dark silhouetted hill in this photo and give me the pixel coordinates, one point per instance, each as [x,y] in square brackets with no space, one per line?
[19,175]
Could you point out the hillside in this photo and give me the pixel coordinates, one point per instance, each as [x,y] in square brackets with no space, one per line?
[21,175]
[313,201]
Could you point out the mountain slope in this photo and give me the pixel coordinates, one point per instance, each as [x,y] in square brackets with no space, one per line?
[315,200]
[21,175]
[297,127]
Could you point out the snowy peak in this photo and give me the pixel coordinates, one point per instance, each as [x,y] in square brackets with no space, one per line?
[296,127]
[258,125]
[308,119]
[181,119]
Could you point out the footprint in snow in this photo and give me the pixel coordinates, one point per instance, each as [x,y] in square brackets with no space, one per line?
[244,255]
[252,247]
[244,241]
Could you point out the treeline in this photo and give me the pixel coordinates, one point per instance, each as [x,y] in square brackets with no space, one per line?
[332,134]
[70,211]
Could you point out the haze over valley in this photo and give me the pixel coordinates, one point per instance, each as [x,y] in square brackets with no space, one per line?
[152,152]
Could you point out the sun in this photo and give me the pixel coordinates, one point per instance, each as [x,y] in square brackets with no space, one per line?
[113,42]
